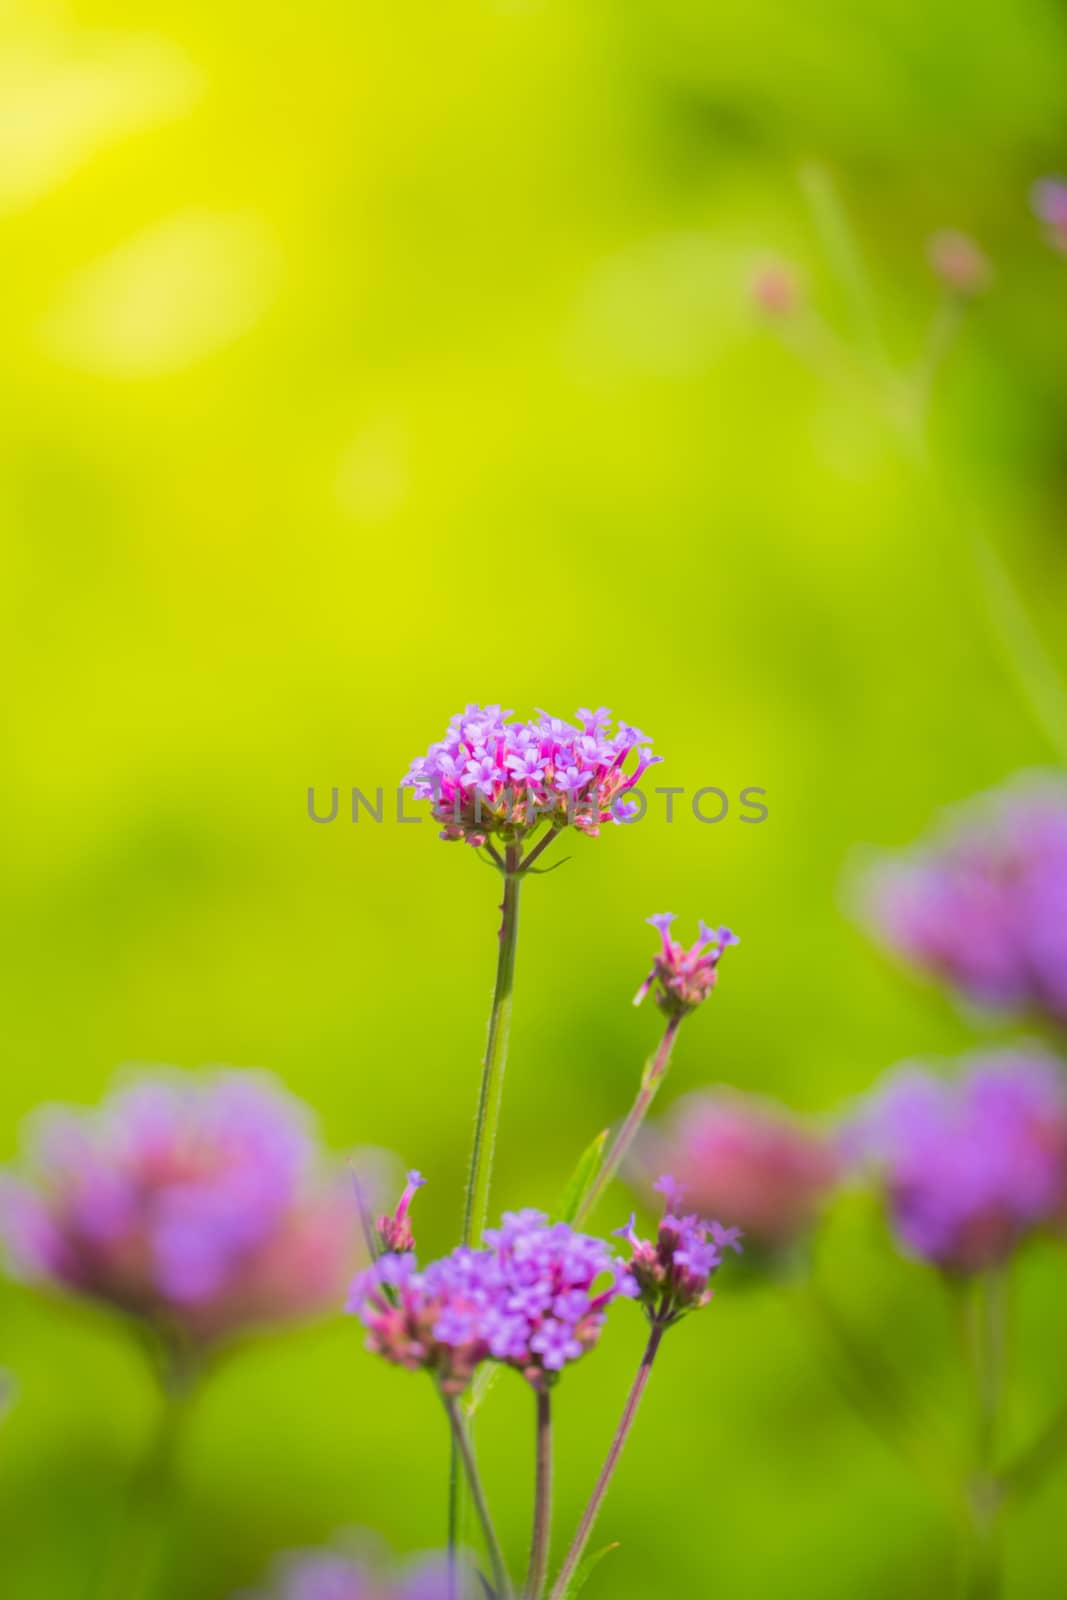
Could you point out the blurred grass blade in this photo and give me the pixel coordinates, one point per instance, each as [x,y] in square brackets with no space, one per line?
[843,256]
[583,1178]
[585,1571]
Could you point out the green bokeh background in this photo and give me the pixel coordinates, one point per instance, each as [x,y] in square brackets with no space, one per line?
[363,360]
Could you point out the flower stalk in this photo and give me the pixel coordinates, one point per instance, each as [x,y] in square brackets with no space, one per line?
[542,1524]
[465,1454]
[653,1075]
[622,1433]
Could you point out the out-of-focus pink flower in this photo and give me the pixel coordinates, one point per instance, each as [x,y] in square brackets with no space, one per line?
[983,906]
[1049,200]
[960,263]
[747,1161]
[971,1165]
[199,1203]
[776,289]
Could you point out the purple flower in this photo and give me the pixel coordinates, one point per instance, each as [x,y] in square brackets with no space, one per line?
[492,777]
[684,978]
[1049,200]
[984,905]
[198,1203]
[747,1160]
[535,1297]
[972,1165]
[672,1274]
[363,1574]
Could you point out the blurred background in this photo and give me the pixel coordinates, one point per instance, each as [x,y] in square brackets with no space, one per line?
[364,360]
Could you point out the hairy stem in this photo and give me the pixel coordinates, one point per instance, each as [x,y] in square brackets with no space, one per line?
[542,1521]
[653,1075]
[133,1568]
[487,1117]
[476,1203]
[465,1454]
[986,1331]
[596,1500]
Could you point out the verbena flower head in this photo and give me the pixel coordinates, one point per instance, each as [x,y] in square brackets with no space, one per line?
[362,1574]
[534,1297]
[491,778]
[747,1160]
[971,1165]
[984,906]
[671,1275]
[682,978]
[199,1203]
[960,263]
[394,1230]
[1049,199]
[429,1320]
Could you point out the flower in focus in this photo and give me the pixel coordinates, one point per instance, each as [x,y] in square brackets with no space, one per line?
[425,1320]
[683,978]
[489,777]
[394,1231]
[959,262]
[359,1575]
[1049,200]
[747,1160]
[984,906]
[775,289]
[973,1165]
[672,1274]
[197,1203]
[534,1297]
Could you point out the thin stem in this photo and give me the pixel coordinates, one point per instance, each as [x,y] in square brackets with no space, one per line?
[476,1203]
[487,1117]
[465,1452]
[844,257]
[133,1568]
[592,1510]
[653,1075]
[542,1522]
[986,1330]
[539,849]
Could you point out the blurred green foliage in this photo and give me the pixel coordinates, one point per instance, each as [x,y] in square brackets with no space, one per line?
[366,359]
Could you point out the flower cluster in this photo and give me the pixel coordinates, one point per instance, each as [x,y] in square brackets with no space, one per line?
[1049,199]
[984,908]
[970,1166]
[199,1204]
[534,1297]
[747,1160]
[335,1575]
[684,978]
[672,1274]
[489,777]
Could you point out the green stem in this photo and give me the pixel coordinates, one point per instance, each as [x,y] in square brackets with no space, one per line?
[596,1499]
[487,1118]
[132,1572]
[986,1330]
[542,1524]
[465,1452]
[653,1075]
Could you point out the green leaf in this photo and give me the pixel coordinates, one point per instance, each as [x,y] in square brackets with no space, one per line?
[583,1178]
[585,1571]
